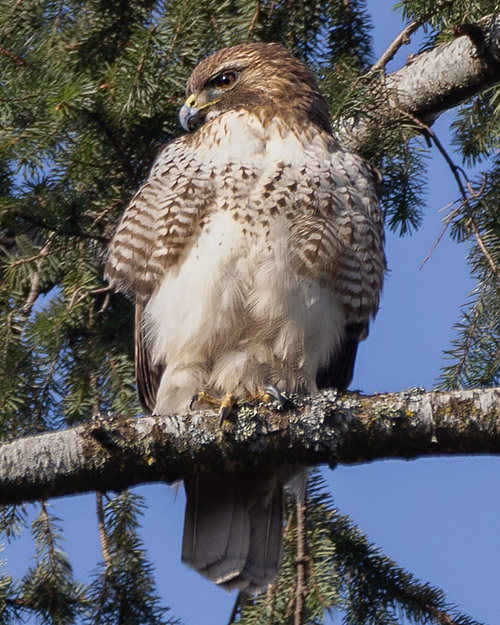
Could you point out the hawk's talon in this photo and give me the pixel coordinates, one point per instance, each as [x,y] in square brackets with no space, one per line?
[224,413]
[193,400]
[271,392]
[226,407]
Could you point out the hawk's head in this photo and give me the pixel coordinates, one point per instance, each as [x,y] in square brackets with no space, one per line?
[254,76]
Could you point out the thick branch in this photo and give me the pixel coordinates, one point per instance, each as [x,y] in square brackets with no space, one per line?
[113,453]
[431,83]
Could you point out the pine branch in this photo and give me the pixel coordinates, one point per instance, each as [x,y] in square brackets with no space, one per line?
[429,84]
[404,36]
[111,453]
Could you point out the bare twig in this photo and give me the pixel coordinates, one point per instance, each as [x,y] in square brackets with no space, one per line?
[106,556]
[105,302]
[142,62]
[254,20]
[217,29]
[84,292]
[440,617]
[57,22]
[466,197]
[45,250]
[174,41]
[404,36]
[235,610]
[35,285]
[101,528]
[272,589]
[470,334]
[19,61]
[466,203]
[451,216]
[33,293]
[301,560]
[48,532]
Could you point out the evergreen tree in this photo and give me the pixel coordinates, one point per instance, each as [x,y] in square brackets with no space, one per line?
[89,92]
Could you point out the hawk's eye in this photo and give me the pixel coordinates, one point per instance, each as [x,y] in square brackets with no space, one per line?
[225,80]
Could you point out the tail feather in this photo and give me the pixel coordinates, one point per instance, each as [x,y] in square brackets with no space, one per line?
[233,529]
[216,537]
[266,542]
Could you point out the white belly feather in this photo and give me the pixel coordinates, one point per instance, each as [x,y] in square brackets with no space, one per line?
[231,317]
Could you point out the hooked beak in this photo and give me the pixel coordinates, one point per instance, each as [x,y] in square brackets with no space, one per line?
[191,112]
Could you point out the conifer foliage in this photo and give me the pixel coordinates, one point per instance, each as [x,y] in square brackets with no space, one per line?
[88,92]
[346,574]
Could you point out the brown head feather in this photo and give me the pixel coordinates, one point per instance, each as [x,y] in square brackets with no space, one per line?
[268,78]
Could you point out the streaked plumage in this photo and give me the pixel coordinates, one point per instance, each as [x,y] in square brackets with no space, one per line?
[255,253]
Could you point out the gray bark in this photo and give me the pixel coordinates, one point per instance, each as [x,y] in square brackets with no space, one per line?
[113,453]
[429,84]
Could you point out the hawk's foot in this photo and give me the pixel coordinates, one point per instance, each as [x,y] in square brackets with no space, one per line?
[227,403]
[266,395]
[224,405]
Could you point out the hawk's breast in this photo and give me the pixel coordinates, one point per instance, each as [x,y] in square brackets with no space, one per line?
[239,311]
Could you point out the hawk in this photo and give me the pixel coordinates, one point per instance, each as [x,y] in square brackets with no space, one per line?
[254,253]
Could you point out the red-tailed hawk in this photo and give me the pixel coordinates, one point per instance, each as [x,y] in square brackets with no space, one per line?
[254,252]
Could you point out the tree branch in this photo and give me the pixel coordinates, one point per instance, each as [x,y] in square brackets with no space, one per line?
[404,36]
[430,83]
[113,453]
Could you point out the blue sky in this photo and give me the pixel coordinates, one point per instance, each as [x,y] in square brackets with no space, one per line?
[439,518]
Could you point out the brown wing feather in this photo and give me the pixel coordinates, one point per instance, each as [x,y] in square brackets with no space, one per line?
[160,222]
[154,231]
[147,374]
[338,373]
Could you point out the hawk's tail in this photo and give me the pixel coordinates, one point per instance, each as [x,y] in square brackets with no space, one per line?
[233,529]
